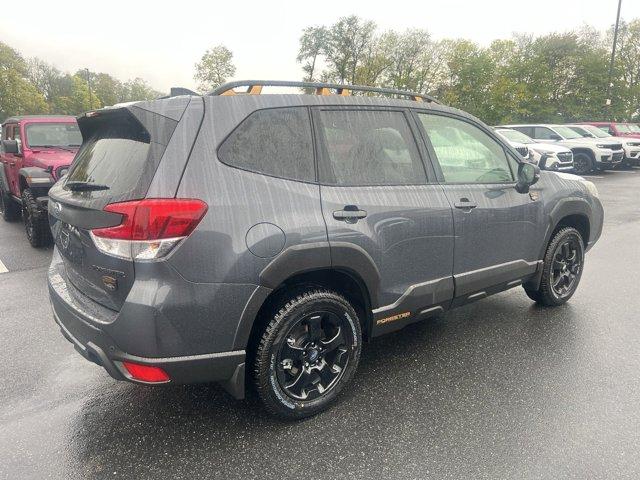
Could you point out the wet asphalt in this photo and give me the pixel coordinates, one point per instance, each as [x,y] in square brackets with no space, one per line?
[498,389]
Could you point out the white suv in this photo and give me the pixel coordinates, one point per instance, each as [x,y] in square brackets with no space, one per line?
[588,153]
[548,156]
[630,145]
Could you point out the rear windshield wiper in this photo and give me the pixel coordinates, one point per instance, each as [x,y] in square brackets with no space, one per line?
[85,186]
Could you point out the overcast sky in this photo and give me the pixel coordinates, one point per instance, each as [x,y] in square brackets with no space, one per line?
[161,41]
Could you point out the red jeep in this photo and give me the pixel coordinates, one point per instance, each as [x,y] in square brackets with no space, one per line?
[35,152]
[617,129]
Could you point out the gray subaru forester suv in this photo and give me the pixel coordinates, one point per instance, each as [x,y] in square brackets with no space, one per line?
[254,239]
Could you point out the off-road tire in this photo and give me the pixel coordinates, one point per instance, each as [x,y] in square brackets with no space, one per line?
[35,220]
[9,209]
[290,314]
[546,295]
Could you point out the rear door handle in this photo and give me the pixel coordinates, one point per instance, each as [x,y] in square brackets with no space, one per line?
[465,204]
[350,214]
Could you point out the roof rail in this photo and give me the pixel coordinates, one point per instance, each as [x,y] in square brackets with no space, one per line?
[254,87]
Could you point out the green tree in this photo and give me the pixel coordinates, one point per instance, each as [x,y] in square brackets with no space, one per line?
[136,90]
[17,94]
[348,42]
[213,69]
[106,88]
[626,89]
[313,44]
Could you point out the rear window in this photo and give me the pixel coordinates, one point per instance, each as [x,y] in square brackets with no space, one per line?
[275,142]
[117,153]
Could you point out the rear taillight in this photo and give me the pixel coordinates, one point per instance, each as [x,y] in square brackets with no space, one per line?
[149,228]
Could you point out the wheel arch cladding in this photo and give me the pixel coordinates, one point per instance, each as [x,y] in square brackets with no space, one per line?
[35,177]
[578,221]
[587,151]
[569,212]
[344,282]
[299,259]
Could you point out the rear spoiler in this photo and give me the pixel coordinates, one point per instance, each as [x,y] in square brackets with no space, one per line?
[178,91]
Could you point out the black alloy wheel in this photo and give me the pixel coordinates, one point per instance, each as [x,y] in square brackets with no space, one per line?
[567,265]
[306,354]
[561,269]
[313,356]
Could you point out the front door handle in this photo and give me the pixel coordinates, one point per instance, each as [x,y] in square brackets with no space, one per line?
[350,214]
[465,204]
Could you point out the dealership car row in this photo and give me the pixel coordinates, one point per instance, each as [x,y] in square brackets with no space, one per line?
[579,147]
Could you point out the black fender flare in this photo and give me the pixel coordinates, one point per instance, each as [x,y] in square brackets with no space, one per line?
[304,258]
[36,177]
[564,208]
[308,257]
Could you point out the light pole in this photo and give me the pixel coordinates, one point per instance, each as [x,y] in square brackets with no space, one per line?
[613,55]
[89,85]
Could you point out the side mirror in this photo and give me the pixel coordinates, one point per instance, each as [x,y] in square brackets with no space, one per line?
[528,174]
[11,146]
[555,137]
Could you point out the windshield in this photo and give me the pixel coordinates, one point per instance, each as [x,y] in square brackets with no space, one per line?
[566,132]
[515,136]
[53,135]
[595,131]
[623,127]
[634,128]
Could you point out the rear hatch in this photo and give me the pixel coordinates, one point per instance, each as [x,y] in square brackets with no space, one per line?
[120,153]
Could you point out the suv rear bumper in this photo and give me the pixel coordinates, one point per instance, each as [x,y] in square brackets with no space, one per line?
[94,344]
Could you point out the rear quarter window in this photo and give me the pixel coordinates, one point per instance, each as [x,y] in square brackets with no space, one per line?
[275,142]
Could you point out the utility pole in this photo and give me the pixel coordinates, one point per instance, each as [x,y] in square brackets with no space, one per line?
[89,85]
[613,55]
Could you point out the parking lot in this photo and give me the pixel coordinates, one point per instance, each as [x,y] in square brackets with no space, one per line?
[498,389]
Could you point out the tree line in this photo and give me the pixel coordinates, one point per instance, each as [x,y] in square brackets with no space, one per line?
[33,86]
[558,77]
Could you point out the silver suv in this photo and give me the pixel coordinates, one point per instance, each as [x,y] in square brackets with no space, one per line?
[588,153]
[237,237]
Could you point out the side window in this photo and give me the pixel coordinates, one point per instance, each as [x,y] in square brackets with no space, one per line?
[368,147]
[274,142]
[543,133]
[526,130]
[464,152]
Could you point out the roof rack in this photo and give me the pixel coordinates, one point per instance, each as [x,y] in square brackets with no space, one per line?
[254,87]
